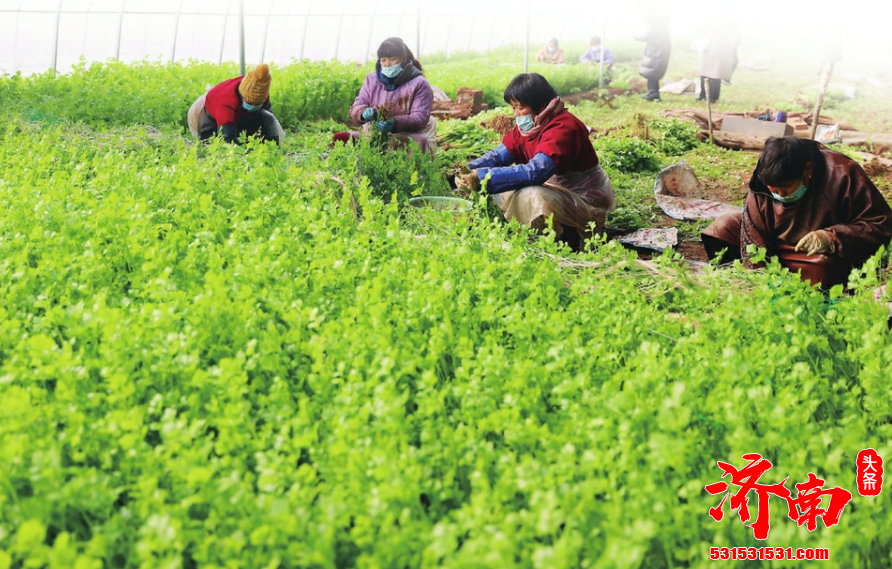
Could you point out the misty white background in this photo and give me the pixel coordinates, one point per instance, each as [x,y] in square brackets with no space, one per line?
[350,30]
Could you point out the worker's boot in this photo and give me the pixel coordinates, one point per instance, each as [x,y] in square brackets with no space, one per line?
[652,96]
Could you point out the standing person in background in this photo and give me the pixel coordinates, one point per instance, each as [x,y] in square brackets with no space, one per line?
[236,106]
[546,167]
[550,52]
[718,58]
[656,54]
[396,99]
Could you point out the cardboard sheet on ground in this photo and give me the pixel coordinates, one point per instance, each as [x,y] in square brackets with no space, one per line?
[651,238]
[679,87]
[677,191]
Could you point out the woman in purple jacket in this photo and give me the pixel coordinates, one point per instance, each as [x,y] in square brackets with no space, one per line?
[398,84]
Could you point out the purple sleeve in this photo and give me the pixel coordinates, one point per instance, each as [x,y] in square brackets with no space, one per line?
[420,112]
[362,102]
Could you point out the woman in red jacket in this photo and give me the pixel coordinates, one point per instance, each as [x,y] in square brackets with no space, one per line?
[545,167]
[236,106]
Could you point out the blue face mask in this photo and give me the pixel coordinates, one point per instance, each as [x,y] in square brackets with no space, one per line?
[525,122]
[792,198]
[251,108]
[552,49]
[392,71]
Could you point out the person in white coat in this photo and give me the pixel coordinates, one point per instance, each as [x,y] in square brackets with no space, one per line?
[718,58]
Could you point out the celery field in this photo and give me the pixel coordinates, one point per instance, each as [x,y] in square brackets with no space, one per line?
[249,356]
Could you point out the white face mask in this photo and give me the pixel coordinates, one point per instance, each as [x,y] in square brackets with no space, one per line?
[392,71]
[525,122]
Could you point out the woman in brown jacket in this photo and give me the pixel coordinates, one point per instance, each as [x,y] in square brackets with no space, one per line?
[806,198]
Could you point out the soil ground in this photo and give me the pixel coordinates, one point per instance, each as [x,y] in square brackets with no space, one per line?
[690,250]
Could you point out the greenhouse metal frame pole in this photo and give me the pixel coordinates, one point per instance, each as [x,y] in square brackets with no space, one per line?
[56,36]
[368,44]
[120,29]
[86,29]
[448,35]
[340,27]
[225,25]
[303,39]
[526,47]
[418,30]
[424,35]
[241,36]
[603,48]
[176,32]
[266,31]
[15,37]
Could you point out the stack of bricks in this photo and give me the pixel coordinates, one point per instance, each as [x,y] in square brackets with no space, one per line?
[467,102]
[472,96]
[797,123]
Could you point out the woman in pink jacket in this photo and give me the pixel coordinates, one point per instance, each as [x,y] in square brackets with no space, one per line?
[396,99]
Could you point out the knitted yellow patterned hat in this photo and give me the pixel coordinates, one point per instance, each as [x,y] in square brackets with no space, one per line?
[254,88]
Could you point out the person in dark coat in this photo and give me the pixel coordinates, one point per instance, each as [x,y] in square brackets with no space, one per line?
[656,54]
[806,198]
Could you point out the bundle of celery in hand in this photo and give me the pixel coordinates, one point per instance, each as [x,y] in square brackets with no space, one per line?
[458,141]
[395,102]
[383,121]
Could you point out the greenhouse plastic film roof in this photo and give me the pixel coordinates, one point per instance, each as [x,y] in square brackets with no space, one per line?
[45,34]
[275,30]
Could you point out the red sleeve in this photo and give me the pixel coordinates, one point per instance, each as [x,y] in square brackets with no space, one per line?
[511,142]
[561,144]
[222,102]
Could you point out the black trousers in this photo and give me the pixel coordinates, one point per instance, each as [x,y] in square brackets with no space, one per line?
[262,123]
[653,86]
[715,87]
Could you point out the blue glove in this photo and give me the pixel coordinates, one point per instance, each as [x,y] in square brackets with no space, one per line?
[386,126]
[369,114]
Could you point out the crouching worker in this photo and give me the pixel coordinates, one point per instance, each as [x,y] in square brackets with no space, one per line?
[396,99]
[237,106]
[545,167]
[812,207]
